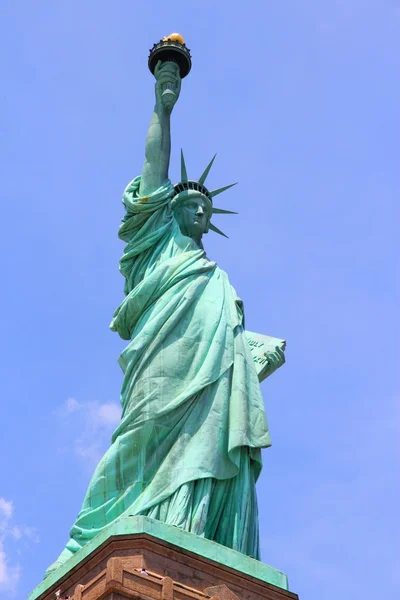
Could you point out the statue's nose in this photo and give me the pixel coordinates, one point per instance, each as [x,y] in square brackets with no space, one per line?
[200,210]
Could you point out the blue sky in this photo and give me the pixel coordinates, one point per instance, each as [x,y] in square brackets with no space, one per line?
[300,101]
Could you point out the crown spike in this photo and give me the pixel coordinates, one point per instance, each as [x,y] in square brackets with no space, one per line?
[213,228]
[222,211]
[207,170]
[184,176]
[220,190]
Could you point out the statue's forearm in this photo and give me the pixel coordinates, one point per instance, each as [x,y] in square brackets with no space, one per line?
[158,150]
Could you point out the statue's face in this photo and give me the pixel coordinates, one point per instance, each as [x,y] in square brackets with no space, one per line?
[193,216]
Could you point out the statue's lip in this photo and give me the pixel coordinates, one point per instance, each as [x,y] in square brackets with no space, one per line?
[168,91]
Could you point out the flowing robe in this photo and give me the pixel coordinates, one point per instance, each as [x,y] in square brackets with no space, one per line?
[187,450]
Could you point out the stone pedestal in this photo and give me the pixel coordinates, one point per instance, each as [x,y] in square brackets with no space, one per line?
[142,559]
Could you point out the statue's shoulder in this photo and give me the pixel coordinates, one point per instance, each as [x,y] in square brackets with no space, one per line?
[136,202]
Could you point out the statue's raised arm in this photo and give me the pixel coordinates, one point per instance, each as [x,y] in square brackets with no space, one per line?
[158,141]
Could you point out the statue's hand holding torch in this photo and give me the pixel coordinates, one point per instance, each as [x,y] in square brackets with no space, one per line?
[168,84]
[169,61]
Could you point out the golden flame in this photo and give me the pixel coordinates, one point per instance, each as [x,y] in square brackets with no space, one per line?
[175,37]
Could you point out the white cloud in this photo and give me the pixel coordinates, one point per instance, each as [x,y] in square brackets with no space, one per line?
[3,565]
[16,533]
[109,414]
[72,405]
[94,422]
[9,574]
[10,534]
[24,531]
[6,508]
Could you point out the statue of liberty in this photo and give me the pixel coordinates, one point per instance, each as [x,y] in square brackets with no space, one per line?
[188,448]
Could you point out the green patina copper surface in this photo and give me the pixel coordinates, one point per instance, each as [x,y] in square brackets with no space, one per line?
[172,535]
[188,449]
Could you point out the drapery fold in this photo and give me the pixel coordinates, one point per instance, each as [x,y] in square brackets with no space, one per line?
[187,449]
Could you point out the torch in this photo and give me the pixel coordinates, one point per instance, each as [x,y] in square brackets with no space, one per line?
[171,49]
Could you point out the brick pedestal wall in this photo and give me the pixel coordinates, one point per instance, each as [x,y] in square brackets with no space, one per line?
[142,567]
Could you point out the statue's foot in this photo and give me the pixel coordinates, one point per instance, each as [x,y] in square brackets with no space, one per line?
[64,556]
[51,570]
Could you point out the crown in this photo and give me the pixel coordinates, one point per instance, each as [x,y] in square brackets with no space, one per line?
[198,186]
